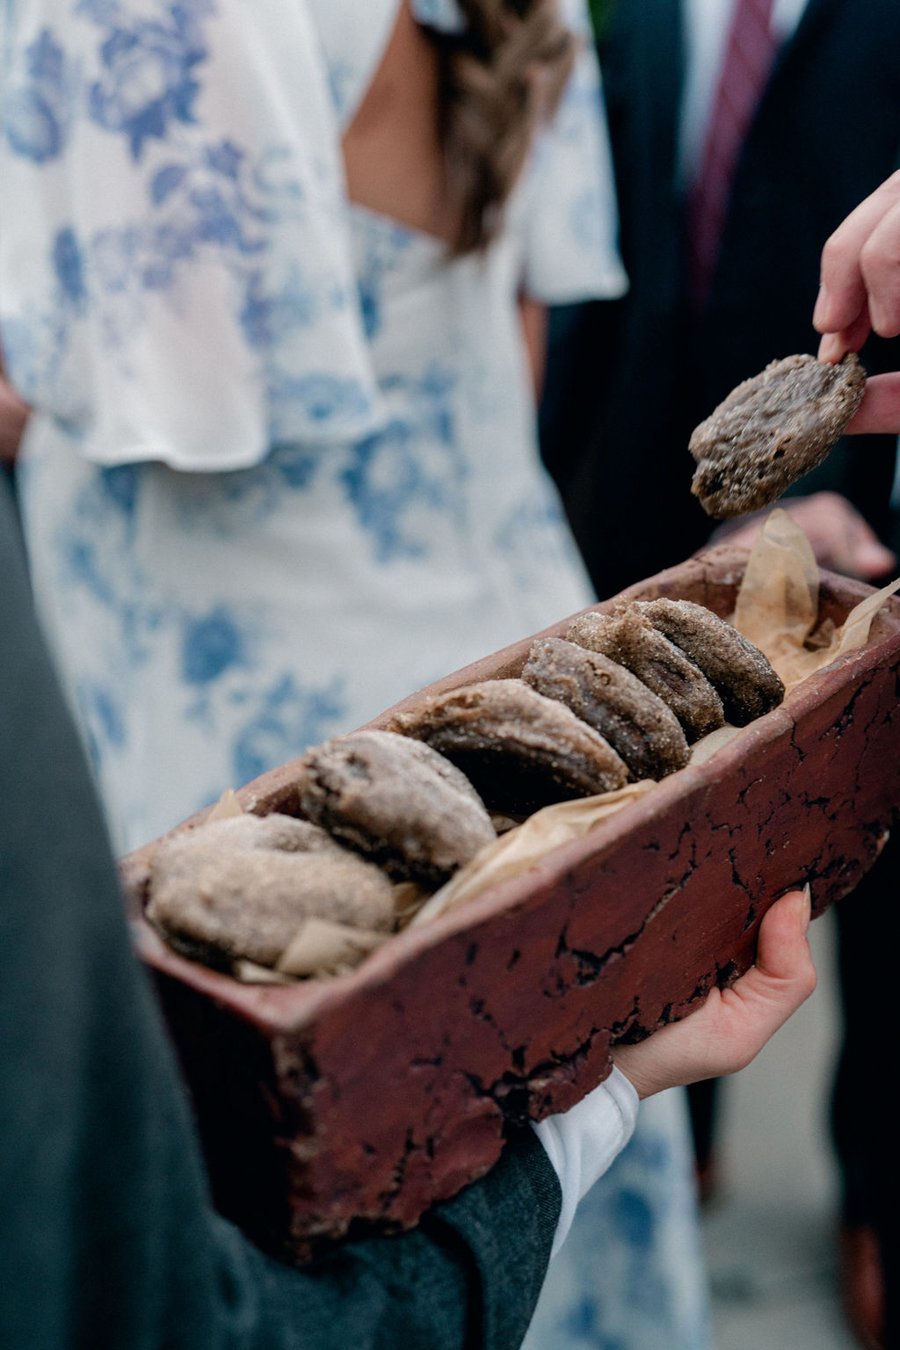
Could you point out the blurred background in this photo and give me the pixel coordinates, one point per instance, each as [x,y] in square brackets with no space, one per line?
[770,1231]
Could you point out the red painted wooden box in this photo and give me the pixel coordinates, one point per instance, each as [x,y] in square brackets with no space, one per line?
[344,1103]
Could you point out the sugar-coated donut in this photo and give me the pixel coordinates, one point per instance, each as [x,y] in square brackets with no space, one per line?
[520,749]
[636,722]
[627,637]
[771,430]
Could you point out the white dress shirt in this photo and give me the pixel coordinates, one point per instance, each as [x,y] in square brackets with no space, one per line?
[706,24]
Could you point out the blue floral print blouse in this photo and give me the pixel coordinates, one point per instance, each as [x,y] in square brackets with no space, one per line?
[281,468]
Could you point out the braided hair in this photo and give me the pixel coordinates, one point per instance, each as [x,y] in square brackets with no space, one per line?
[498,80]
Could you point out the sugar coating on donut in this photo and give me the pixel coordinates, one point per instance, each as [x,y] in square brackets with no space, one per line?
[396,800]
[521,750]
[771,430]
[242,887]
[738,670]
[636,722]
[627,637]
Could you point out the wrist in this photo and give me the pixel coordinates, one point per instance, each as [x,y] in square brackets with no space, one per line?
[638,1064]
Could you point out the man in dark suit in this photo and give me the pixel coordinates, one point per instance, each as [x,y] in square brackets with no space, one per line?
[628,380]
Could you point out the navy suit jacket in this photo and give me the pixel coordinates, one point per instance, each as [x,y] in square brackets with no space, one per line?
[628,380]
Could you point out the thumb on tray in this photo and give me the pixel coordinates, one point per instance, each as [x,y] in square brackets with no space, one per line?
[733,1025]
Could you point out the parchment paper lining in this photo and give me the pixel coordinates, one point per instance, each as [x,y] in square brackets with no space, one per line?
[778,604]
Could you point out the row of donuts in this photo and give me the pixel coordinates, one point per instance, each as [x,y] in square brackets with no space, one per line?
[632,690]
[620,698]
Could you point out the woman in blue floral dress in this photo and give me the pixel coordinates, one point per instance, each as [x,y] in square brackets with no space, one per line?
[281,467]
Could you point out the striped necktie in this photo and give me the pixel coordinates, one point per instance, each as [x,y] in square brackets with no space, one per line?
[749,52]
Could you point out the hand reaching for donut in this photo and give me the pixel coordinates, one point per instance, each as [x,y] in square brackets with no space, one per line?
[860,294]
[733,1024]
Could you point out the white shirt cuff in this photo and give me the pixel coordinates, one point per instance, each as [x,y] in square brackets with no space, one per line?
[583,1142]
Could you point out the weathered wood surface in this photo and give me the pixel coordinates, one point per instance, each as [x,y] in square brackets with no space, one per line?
[356,1101]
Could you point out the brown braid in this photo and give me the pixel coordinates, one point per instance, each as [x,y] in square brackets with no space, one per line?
[498,80]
